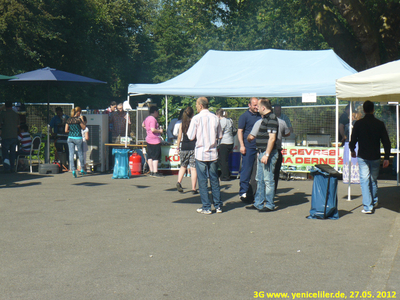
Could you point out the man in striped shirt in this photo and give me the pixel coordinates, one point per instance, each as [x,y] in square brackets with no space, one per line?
[267,158]
[205,128]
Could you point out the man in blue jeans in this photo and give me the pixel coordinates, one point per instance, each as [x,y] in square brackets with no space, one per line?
[267,157]
[247,149]
[368,133]
[205,128]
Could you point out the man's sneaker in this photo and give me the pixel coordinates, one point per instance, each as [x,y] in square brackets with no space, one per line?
[265,209]
[179,187]
[376,205]
[218,210]
[251,207]
[204,211]
[160,175]
[367,211]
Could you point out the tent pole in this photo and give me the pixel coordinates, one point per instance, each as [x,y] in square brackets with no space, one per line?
[47,159]
[350,121]
[166,113]
[397,121]
[337,135]
[126,126]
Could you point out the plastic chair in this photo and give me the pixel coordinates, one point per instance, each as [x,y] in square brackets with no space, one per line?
[35,151]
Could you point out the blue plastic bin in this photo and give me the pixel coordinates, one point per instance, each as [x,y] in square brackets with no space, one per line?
[324,196]
[121,164]
[234,163]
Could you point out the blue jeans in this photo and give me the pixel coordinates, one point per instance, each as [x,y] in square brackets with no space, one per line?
[247,167]
[8,149]
[265,181]
[71,147]
[203,169]
[369,171]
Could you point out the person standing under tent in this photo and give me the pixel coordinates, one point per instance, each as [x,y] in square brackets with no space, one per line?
[369,132]
[225,145]
[285,118]
[153,139]
[185,148]
[282,132]
[205,128]
[343,121]
[74,127]
[118,122]
[266,160]
[247,149]
[85,138]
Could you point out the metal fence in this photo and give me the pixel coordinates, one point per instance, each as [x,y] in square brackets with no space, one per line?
[321,119]
[35,115]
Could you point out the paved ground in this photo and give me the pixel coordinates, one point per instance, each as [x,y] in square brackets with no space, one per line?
[101,238]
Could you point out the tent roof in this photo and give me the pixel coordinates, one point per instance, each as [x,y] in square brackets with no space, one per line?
[380,84]
[262,73]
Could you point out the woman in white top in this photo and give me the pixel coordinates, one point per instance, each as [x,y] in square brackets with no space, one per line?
[225,145]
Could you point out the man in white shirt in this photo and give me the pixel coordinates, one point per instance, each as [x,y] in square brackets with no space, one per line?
[205,128]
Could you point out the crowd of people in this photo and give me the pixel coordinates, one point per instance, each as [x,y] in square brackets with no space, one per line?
[204,142]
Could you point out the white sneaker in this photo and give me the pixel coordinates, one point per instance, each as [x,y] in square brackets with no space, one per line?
[204,211]
[218,210]
[366,211]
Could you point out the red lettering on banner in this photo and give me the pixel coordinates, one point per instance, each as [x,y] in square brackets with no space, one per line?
[284,152]
[314,161]
[299,160]
[172,158]
[308,151]
[293,152]
[307,160]
[332,152]
[324,152]
[331,161]
[323,161]
[288,160]
[301,152]
[316,152]
[340,161]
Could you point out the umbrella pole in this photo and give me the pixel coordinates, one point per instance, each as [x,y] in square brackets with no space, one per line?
[47,160]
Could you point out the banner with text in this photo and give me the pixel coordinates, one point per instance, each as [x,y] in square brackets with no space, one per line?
[304,159]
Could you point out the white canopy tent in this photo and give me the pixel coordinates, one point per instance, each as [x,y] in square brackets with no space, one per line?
[261,73]
[378,84]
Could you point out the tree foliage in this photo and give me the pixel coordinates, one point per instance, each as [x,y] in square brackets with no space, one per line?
[151,41]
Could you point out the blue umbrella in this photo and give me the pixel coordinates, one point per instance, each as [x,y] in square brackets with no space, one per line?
[51,77]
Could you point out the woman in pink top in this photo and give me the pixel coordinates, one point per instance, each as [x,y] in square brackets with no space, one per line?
[153,139]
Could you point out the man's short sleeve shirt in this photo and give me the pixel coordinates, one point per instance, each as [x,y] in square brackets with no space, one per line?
[246,122]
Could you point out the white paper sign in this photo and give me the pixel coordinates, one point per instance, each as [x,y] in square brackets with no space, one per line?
[309,97]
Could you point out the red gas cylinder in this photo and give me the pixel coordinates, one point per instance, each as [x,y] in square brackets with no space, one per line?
[135,164]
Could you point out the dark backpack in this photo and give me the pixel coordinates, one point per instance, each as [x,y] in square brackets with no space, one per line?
[234,129]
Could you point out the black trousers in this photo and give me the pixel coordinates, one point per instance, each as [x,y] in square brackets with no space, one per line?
[223,160]
[278,168]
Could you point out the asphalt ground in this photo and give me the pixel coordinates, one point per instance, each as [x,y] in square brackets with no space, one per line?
[100,238]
